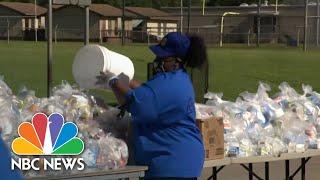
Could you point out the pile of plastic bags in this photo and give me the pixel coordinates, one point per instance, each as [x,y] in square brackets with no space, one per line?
[102,150]
[258,125]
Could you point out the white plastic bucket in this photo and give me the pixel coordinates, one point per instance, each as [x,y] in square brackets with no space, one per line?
[90,60]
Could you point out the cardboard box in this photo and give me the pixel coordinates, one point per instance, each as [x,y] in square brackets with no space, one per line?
[212,131]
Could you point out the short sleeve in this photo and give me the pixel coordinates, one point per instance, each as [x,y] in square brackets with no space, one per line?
[141,103]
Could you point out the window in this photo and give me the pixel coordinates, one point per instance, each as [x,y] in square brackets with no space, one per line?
[268,24]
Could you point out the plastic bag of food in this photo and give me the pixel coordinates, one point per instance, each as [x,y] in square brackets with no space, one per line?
[214,99]
[65,90]
[27,97]
[51,105]
[232,146]
[113,153]
[277,146]
[205,111]
[90,129]
[111,122]
[90,154]
[82,104]
[288,93]
[77,105]
[9,118]
[28,104]
[271,146]
[297,103]
[246,148]
[266,109]
[4,88]
[301,143]
[311,104]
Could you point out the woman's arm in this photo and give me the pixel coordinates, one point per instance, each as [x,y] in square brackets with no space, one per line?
[134,84]
[122,85]
[119,84]
[140,102]
[120,89]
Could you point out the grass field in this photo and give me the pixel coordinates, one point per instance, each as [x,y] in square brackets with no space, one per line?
[232,69]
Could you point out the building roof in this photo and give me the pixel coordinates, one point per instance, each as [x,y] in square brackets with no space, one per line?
[109,11]
[56,6]
[25,9]
[151,13]
[104,10]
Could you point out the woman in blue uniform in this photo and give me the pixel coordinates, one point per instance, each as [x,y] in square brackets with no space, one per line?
[166,138]
[5,168]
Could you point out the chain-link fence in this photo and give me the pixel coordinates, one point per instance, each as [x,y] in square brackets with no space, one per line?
[22,27]
[313,24]
[248,25]
[251,25]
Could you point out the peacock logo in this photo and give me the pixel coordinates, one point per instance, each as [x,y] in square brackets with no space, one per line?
[47,136]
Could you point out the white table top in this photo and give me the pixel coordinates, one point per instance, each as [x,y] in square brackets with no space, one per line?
[260,159]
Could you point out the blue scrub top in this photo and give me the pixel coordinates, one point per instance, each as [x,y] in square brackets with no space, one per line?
[5,166]
[166,137]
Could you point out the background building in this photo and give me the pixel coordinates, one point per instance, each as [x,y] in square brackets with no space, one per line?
[151,22]
[21,20]
[105,23]
[282,25]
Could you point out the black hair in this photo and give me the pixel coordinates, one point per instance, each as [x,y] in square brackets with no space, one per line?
[197,53]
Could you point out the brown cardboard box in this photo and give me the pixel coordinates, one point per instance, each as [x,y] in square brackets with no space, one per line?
[213,137]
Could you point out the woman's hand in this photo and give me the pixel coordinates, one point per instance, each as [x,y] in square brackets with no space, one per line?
[104,78]
[118,83]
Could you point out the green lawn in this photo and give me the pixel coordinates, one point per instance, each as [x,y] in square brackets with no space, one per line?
[232,69]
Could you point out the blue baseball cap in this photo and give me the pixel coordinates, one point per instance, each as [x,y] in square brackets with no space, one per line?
[173,44]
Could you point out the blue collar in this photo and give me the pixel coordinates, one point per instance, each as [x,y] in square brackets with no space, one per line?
[167,73]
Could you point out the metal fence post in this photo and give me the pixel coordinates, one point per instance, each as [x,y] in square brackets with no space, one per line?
[122,22]
[318,21]
[189,15]
[259,24]
[86,36]
[8,30]
[221,29]
[181,16]
[100,36]
[49,49]
[305,25]
[298,37]
[55,34]
[249,32]
[35,20]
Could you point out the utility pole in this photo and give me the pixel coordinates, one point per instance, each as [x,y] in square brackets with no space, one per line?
[305,25]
